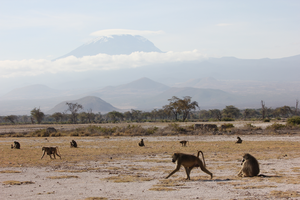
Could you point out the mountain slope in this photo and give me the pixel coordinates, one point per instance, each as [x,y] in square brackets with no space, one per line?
[89,102]
[114,45]
[37,91]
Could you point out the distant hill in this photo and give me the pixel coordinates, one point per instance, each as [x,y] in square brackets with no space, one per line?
[114,45]
[89,102]
[205,97]
[37,91]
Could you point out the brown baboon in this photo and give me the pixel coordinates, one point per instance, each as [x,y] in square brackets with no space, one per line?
[73,143]
[50,150]
[183,142]
[189,162]
[51,130]
[141,143]
[239,141]
[250,166]
[16,145]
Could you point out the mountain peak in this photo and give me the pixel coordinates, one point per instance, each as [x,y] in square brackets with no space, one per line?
[114,45]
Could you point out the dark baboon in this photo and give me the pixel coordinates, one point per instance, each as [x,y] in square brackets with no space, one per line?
[183,142]
[73,143]
[189,162]
[239,140]
[16,145]
[250,166]
[141,143]
[50,151]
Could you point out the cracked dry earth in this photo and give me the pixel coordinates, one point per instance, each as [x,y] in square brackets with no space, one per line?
[142,177]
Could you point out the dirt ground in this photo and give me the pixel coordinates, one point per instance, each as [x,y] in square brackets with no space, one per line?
[139,172]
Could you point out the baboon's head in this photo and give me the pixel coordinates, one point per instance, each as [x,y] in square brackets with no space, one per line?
[43,149]
[238,138]
[246,156]
[175,157]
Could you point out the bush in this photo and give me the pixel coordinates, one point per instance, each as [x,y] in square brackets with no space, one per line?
[266,120]
[227,119]
[276,126]
[294,120]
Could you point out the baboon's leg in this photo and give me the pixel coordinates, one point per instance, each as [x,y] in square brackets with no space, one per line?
[54,155]
[58,155]
[188,172]
[43,154]
[206,171]
[175,170]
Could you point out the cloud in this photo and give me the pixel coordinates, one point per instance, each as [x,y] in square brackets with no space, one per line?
[108,32]
[33,67]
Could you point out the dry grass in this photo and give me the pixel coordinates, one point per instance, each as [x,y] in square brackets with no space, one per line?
[11,182]
[127,178]
[62,177]
[10,171]
[107,150]
[96,198]
[285,194]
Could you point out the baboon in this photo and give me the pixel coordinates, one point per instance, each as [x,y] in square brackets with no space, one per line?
[183,142]
[141,143]
[239,140]
[189,162]
[250,166]
[73,144]
[51,130]
[50,150]
[16,145]
[223,127]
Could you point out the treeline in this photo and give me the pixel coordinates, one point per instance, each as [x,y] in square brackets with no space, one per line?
[177,110]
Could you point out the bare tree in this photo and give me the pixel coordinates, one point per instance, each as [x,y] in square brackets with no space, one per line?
[263,109]
[74,108]
[296,109]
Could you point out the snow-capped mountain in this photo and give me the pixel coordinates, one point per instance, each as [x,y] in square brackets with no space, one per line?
[114,45]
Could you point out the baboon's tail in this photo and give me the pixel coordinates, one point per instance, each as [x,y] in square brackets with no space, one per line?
[202,157]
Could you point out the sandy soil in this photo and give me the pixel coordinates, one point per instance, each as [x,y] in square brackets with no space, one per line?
[133,178]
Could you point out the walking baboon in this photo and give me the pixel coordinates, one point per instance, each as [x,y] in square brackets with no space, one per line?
[141,143]
[73,143]
[239,140]
[16,145]
[189,162]
[183,142]
[250,166]
[50,150]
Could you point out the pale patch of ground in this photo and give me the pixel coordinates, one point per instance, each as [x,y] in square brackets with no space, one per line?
[142,177]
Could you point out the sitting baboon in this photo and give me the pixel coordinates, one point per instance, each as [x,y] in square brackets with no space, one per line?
[183,142]
[50,151]
[141,143]
[239,140]
[51,130]
[189,162]
[16,145]
[73,144]
[250,166]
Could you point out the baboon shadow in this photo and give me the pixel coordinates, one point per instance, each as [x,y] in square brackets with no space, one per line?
[214,180]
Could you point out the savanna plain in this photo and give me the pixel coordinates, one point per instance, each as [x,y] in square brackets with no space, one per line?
[114,166]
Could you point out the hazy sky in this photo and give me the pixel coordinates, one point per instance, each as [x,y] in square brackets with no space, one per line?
[32,32]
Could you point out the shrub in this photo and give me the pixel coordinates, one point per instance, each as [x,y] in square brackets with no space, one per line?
[294,120]
[266,120]
[276,126]
[227,119]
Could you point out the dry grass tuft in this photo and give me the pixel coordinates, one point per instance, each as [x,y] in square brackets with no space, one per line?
[96,198]
[11,182]
[285,194]
[61,177]
[128,178]
[10,171]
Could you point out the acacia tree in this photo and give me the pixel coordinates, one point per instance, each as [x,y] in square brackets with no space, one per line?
[173,107]
[11,118]
[57,116]
[231,112]
[74,108]
[186,105]
[216,113]
[37,114]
